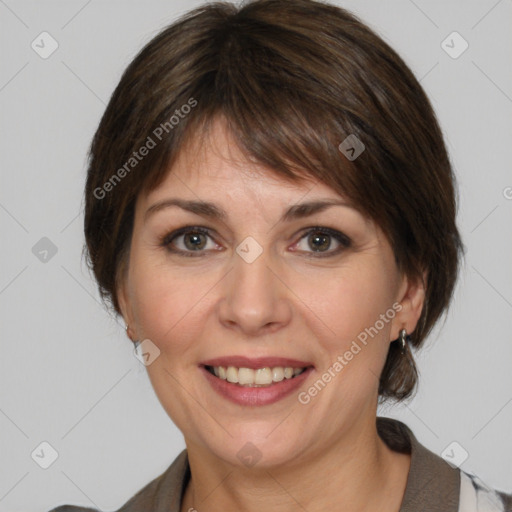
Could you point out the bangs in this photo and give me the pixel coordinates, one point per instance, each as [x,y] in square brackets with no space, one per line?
[275,110]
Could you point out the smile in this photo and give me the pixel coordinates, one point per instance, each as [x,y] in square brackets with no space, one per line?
[255,386]
[249,377]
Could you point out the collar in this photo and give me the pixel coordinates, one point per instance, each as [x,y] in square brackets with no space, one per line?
[432,483]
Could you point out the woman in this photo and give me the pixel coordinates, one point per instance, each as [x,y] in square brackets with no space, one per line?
[271,208]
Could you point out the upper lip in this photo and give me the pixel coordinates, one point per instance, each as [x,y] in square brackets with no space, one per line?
[258,362]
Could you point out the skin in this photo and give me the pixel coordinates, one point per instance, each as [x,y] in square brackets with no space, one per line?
[282,304]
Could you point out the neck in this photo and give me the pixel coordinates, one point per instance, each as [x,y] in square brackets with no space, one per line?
[358,472]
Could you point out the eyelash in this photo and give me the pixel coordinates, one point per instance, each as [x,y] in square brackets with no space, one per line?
[343,239]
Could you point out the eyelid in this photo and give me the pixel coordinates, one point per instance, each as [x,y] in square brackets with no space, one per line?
[168,238]
[336,233]
[344,240]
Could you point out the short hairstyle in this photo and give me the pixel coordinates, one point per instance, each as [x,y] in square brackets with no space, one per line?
[292,79]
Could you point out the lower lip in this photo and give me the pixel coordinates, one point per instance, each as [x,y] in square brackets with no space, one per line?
[267,395]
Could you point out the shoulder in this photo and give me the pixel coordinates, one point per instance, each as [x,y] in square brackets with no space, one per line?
[475,495]
[163,494]
[72,508]
[434,484]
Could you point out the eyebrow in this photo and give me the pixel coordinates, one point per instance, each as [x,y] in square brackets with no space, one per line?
[212,211]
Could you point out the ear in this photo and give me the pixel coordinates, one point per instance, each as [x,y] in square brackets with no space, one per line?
[123,298]
[411,297]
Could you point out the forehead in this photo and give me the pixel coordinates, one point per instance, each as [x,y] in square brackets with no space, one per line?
[213,164]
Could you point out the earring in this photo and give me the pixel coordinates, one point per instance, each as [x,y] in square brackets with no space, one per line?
[129,333]
[403,339]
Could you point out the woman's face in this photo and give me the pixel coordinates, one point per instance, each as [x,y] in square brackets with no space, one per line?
[259,284]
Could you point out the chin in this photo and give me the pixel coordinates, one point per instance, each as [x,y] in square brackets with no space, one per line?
[253,447]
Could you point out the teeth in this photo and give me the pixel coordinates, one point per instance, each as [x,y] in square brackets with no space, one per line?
[263,376]
[277,374]
[245,376]
[232,374]
[255,378]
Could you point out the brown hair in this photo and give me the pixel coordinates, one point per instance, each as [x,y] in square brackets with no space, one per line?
[293,79]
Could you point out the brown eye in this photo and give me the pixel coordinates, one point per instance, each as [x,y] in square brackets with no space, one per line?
[194,240]
[320,240]
[189,240]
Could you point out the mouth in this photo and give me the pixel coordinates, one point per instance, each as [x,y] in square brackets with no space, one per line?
[255,382]
[255,378]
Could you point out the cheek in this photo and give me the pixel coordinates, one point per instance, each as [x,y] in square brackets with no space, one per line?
[174,306]
[169,304]
[352,338]
[346,301]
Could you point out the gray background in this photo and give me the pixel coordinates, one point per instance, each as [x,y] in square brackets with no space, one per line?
[68,374]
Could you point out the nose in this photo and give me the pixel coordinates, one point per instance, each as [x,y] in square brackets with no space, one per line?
[256,299]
